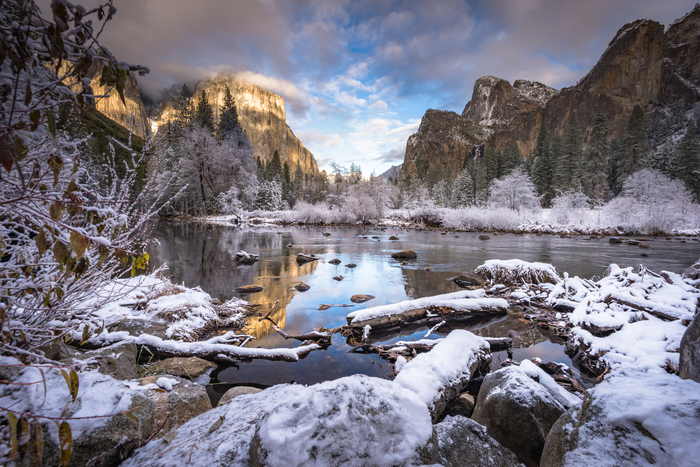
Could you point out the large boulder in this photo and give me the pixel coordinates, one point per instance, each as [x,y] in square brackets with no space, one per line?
[107,419]
[183,402]
[459,441]
[517,411]
[633,418]
[356,420]
[237,391]
[184,367]
[689,365]
[117,360]
[693,272]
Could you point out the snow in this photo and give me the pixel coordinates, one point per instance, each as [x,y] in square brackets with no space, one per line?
[642,339]
[450,362]
[643,418]
[186,310]
[464,300]
[98,395]
[352,421]
[563,396]
[518,384]
[166,383]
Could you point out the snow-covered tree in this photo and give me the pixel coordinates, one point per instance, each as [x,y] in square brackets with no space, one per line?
[269,197]
[514,191]
[568,206]
[463,190]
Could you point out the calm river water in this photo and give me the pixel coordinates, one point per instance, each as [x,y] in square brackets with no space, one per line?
[203,255]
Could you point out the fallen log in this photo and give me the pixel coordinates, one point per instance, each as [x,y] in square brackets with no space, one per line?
[654,312]
[219,348]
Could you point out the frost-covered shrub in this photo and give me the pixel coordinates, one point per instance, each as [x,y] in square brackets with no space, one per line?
[569,207]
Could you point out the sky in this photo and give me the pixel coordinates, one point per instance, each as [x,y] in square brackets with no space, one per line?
[357,76]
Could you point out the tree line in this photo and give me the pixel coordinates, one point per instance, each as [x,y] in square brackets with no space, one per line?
[561,164]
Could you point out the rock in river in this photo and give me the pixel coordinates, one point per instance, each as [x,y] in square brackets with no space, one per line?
[335,261]
[361,298]
[405,254]
[302,287]
[250,288]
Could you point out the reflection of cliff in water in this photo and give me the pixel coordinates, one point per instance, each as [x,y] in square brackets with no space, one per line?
[203,255]
[279,275]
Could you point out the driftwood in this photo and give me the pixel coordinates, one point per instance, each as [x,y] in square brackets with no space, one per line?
[325,307]
[659,314]
[322,338]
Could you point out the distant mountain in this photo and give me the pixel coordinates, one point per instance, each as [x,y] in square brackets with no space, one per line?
[643,65]
[262,116]
[391,174]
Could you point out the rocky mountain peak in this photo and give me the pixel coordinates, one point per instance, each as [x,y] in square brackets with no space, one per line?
[631,66]
[495,102]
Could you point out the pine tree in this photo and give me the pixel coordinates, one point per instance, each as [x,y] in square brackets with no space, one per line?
[636,148]
[273,169]
[569,160]
[510,159]
[686,166]
[228,123]
[616,159]
[463,190]
[542,167]
[595,181]
[287,184]
[204,115]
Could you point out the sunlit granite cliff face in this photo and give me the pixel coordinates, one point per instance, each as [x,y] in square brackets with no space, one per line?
[132,115]
[643,65]
[262,116]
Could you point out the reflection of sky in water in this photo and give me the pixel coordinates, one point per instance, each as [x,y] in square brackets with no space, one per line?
[204,255]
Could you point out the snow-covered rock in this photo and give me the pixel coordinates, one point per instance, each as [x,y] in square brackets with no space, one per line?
[460,441]
[353,421]
[439,376]
[689,361]
[98,419]
[518,412]
[180,401]
[633,418]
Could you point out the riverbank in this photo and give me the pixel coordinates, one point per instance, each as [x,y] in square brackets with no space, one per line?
[592,222]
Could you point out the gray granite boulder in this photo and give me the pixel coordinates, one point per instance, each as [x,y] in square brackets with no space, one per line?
[518,412]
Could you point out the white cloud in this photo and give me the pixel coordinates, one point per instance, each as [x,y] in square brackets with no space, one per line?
[379,105]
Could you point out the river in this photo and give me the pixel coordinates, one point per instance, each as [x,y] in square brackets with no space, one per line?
[203,255]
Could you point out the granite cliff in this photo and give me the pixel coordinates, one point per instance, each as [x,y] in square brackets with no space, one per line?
[643,65]
[262,116]
[131,114]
